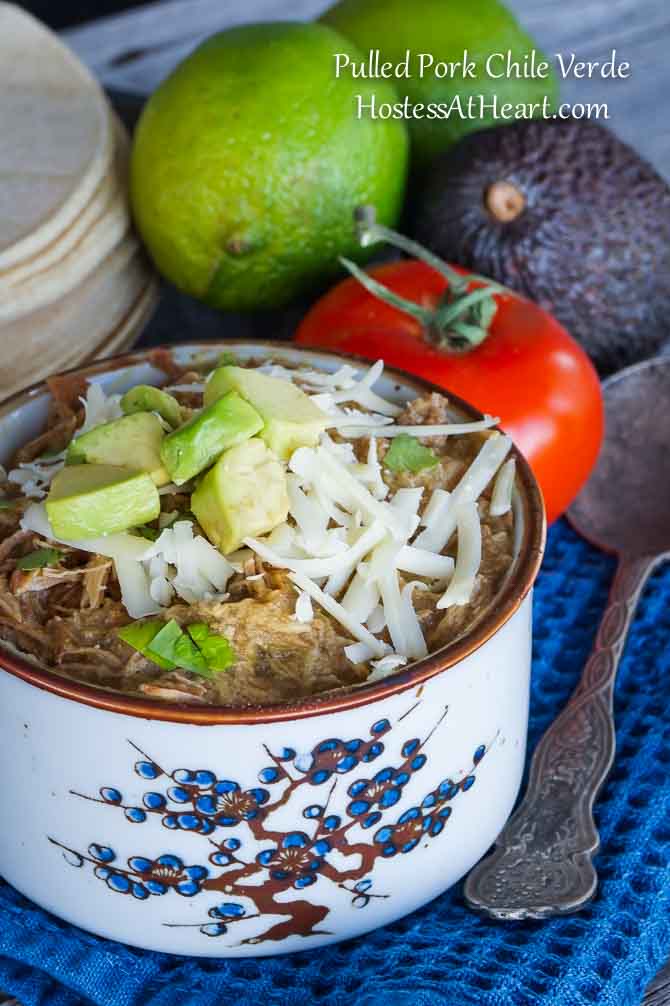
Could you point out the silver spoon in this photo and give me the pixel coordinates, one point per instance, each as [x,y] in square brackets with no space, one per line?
[542,863]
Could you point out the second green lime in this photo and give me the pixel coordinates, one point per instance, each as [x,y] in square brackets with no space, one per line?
[249,161]
[447,30]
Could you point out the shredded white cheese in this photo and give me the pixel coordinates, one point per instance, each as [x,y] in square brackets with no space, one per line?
[361,596]
[199,571]
[188,565]
[135,588]
[324,401]
[313,380]
[371,473]
[311,519]
[349,491]
[329,604]
[99,408]
[422,562]
[238,558]
[343,452]
[362,393]
[468,559]
[357,424]
[439,500]
[407,501]
[160,587]
[425,432]
[161,590]
[304,613]
[401,619]
[326,566]
[501,497]
[345,377]
[361,546]
[387,665]
[35,477]
[442,524]
[358,653]
[415,645]
[377,620]
[383,559]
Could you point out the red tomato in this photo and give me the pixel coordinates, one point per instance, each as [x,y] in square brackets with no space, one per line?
[528,370]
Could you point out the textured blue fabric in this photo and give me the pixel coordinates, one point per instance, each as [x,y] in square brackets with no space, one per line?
[443,955]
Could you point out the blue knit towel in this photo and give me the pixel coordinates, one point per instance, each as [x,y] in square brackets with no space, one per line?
[443,955]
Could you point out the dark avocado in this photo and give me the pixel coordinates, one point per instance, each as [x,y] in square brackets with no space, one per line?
[566,214]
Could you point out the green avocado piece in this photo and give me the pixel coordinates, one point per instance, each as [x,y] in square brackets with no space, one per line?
[243,495]
[86,501]
[197,444]
[145,398]
[291,419]
[130,442]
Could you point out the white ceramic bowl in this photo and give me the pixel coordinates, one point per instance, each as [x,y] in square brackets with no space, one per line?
[224,832]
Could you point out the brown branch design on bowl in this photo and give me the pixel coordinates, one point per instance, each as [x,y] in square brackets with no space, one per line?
[205,803]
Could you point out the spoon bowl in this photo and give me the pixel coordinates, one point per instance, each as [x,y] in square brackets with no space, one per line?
[625,507]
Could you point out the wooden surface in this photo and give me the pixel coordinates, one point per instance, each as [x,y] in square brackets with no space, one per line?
[133,52]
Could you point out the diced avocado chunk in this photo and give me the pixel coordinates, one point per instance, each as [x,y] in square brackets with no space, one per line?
[244,495]
[290,417]
[145,398]
[196,445]
[130,442]
[86,501]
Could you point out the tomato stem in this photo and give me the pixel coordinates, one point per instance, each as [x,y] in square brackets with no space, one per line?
[370,232]
[422,314]
[451,311]
[461,320]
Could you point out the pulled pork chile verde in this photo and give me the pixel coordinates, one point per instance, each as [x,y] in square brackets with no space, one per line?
[252,535]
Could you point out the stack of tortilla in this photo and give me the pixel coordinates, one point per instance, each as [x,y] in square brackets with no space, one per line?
[74,282]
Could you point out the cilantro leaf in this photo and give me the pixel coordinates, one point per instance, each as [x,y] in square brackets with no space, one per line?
[188,656]
[139,635]
[200,651]
[227,359]
[198,631]
[39,559]
[406,454]
[217,650]
[174,645]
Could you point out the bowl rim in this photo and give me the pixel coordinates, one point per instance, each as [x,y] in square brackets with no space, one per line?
[508,601]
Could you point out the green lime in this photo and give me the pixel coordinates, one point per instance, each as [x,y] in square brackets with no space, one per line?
[249,161]
[444,30]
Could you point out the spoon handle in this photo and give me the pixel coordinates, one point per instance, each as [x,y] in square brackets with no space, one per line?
[542,863]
